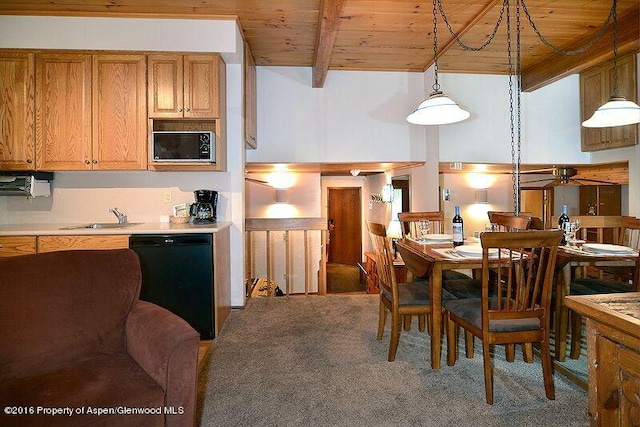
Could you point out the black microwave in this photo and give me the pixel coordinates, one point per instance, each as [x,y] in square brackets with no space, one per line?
[184,146]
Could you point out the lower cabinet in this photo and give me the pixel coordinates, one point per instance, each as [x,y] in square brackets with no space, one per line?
[79,242]
[370,267]
[17,245]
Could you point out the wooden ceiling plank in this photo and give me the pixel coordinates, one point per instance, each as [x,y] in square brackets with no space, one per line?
[328,22]
[557,66]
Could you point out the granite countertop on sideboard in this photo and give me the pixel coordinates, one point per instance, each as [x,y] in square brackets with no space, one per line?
[45,229]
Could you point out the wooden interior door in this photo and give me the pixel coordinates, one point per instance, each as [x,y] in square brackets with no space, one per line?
[345,235]
[539,202]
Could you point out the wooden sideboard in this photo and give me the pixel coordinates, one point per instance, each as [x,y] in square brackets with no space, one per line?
[613,353]
[373,287]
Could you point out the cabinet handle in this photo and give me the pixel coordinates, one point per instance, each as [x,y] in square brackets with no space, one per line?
[95,161]
[1,246]
[87,162]
[28,161]
[180,110]
[187,109]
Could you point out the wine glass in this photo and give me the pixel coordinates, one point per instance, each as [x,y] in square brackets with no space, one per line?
[423,227]
[575,226]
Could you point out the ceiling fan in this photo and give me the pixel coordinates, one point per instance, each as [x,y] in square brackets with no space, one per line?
[563,176]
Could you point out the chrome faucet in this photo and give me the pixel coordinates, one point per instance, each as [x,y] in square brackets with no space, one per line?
[122,218]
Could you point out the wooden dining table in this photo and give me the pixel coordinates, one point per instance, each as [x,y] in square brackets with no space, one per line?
[568,259]
[424,261]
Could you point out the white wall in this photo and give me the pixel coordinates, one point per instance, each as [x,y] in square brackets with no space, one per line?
[86,196]
[356,116]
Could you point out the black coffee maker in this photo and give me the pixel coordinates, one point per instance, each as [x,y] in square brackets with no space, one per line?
[203,210]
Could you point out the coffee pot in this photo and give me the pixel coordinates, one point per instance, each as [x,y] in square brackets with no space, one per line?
[203,210]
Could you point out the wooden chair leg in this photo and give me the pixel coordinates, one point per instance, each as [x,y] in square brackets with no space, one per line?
[382,318]
[488,371]
[407,322]
[396,324]
[452,341]
[547,369]
[510,352]
[421,322]
[576,334]
[429,330]
[468,344]
[527,352]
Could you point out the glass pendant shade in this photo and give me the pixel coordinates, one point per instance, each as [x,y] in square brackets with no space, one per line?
[438,109]
[617,112]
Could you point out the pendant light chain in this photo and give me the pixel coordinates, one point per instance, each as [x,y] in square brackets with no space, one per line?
[615,50]
[457,38]
[436,85]
[511,113]
[582,49]
[519,108]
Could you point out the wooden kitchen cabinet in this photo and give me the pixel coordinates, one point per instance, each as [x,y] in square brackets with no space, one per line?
[596,87]
[250,100]
[119,112]
[63,111]
[17,133]
[185,86]
[90,111]
[17,245]
[80,242]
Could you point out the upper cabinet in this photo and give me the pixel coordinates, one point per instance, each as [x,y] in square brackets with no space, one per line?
[17,149]
[596,87]
[119,112]
[90,111]
[186,86]
[250,100]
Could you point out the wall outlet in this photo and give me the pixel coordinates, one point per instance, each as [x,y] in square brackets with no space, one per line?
[167,196]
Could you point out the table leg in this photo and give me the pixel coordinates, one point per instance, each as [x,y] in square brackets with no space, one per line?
[436,314]
[562,313]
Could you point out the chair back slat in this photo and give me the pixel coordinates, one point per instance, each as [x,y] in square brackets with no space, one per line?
[525,266]
[630,232]
[384,258]
[510,222]
[411,220]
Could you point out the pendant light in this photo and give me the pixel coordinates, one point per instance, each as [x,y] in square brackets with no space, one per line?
[618,111]
[438,109]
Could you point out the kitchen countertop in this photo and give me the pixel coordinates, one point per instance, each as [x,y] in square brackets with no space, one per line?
[54,229]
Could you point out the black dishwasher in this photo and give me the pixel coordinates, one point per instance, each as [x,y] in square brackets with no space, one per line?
[177,274]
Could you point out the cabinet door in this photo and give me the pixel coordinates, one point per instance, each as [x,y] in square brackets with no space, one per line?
[17,139]
[165,83]
[201,86]
[623,136]
[592,94]
[250,100]
[81,242]
[119,112]
[63,111]
[17,245]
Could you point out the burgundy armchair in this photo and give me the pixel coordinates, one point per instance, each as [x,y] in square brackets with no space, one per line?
[77,340]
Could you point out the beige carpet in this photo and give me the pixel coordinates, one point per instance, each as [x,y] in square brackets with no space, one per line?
[314,361]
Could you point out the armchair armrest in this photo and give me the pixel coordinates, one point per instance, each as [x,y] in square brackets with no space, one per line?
[166,347]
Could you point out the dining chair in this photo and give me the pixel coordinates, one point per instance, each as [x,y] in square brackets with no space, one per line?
[509,221]
[519,311]
[401,299]
[621,280]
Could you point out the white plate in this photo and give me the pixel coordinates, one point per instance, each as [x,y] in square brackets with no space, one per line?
[608,249]
[473,250]
[443,237]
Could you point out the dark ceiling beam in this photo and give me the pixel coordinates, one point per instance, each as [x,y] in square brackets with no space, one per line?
[328,22]
[557,65]
[469,25]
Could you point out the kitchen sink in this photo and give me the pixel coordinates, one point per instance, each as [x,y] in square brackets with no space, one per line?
[97,225]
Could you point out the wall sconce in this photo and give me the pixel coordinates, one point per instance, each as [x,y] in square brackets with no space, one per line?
[281,195]
[482,196]
[387,193]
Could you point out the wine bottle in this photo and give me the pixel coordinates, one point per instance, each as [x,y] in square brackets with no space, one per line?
[562,220]
[458,233]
